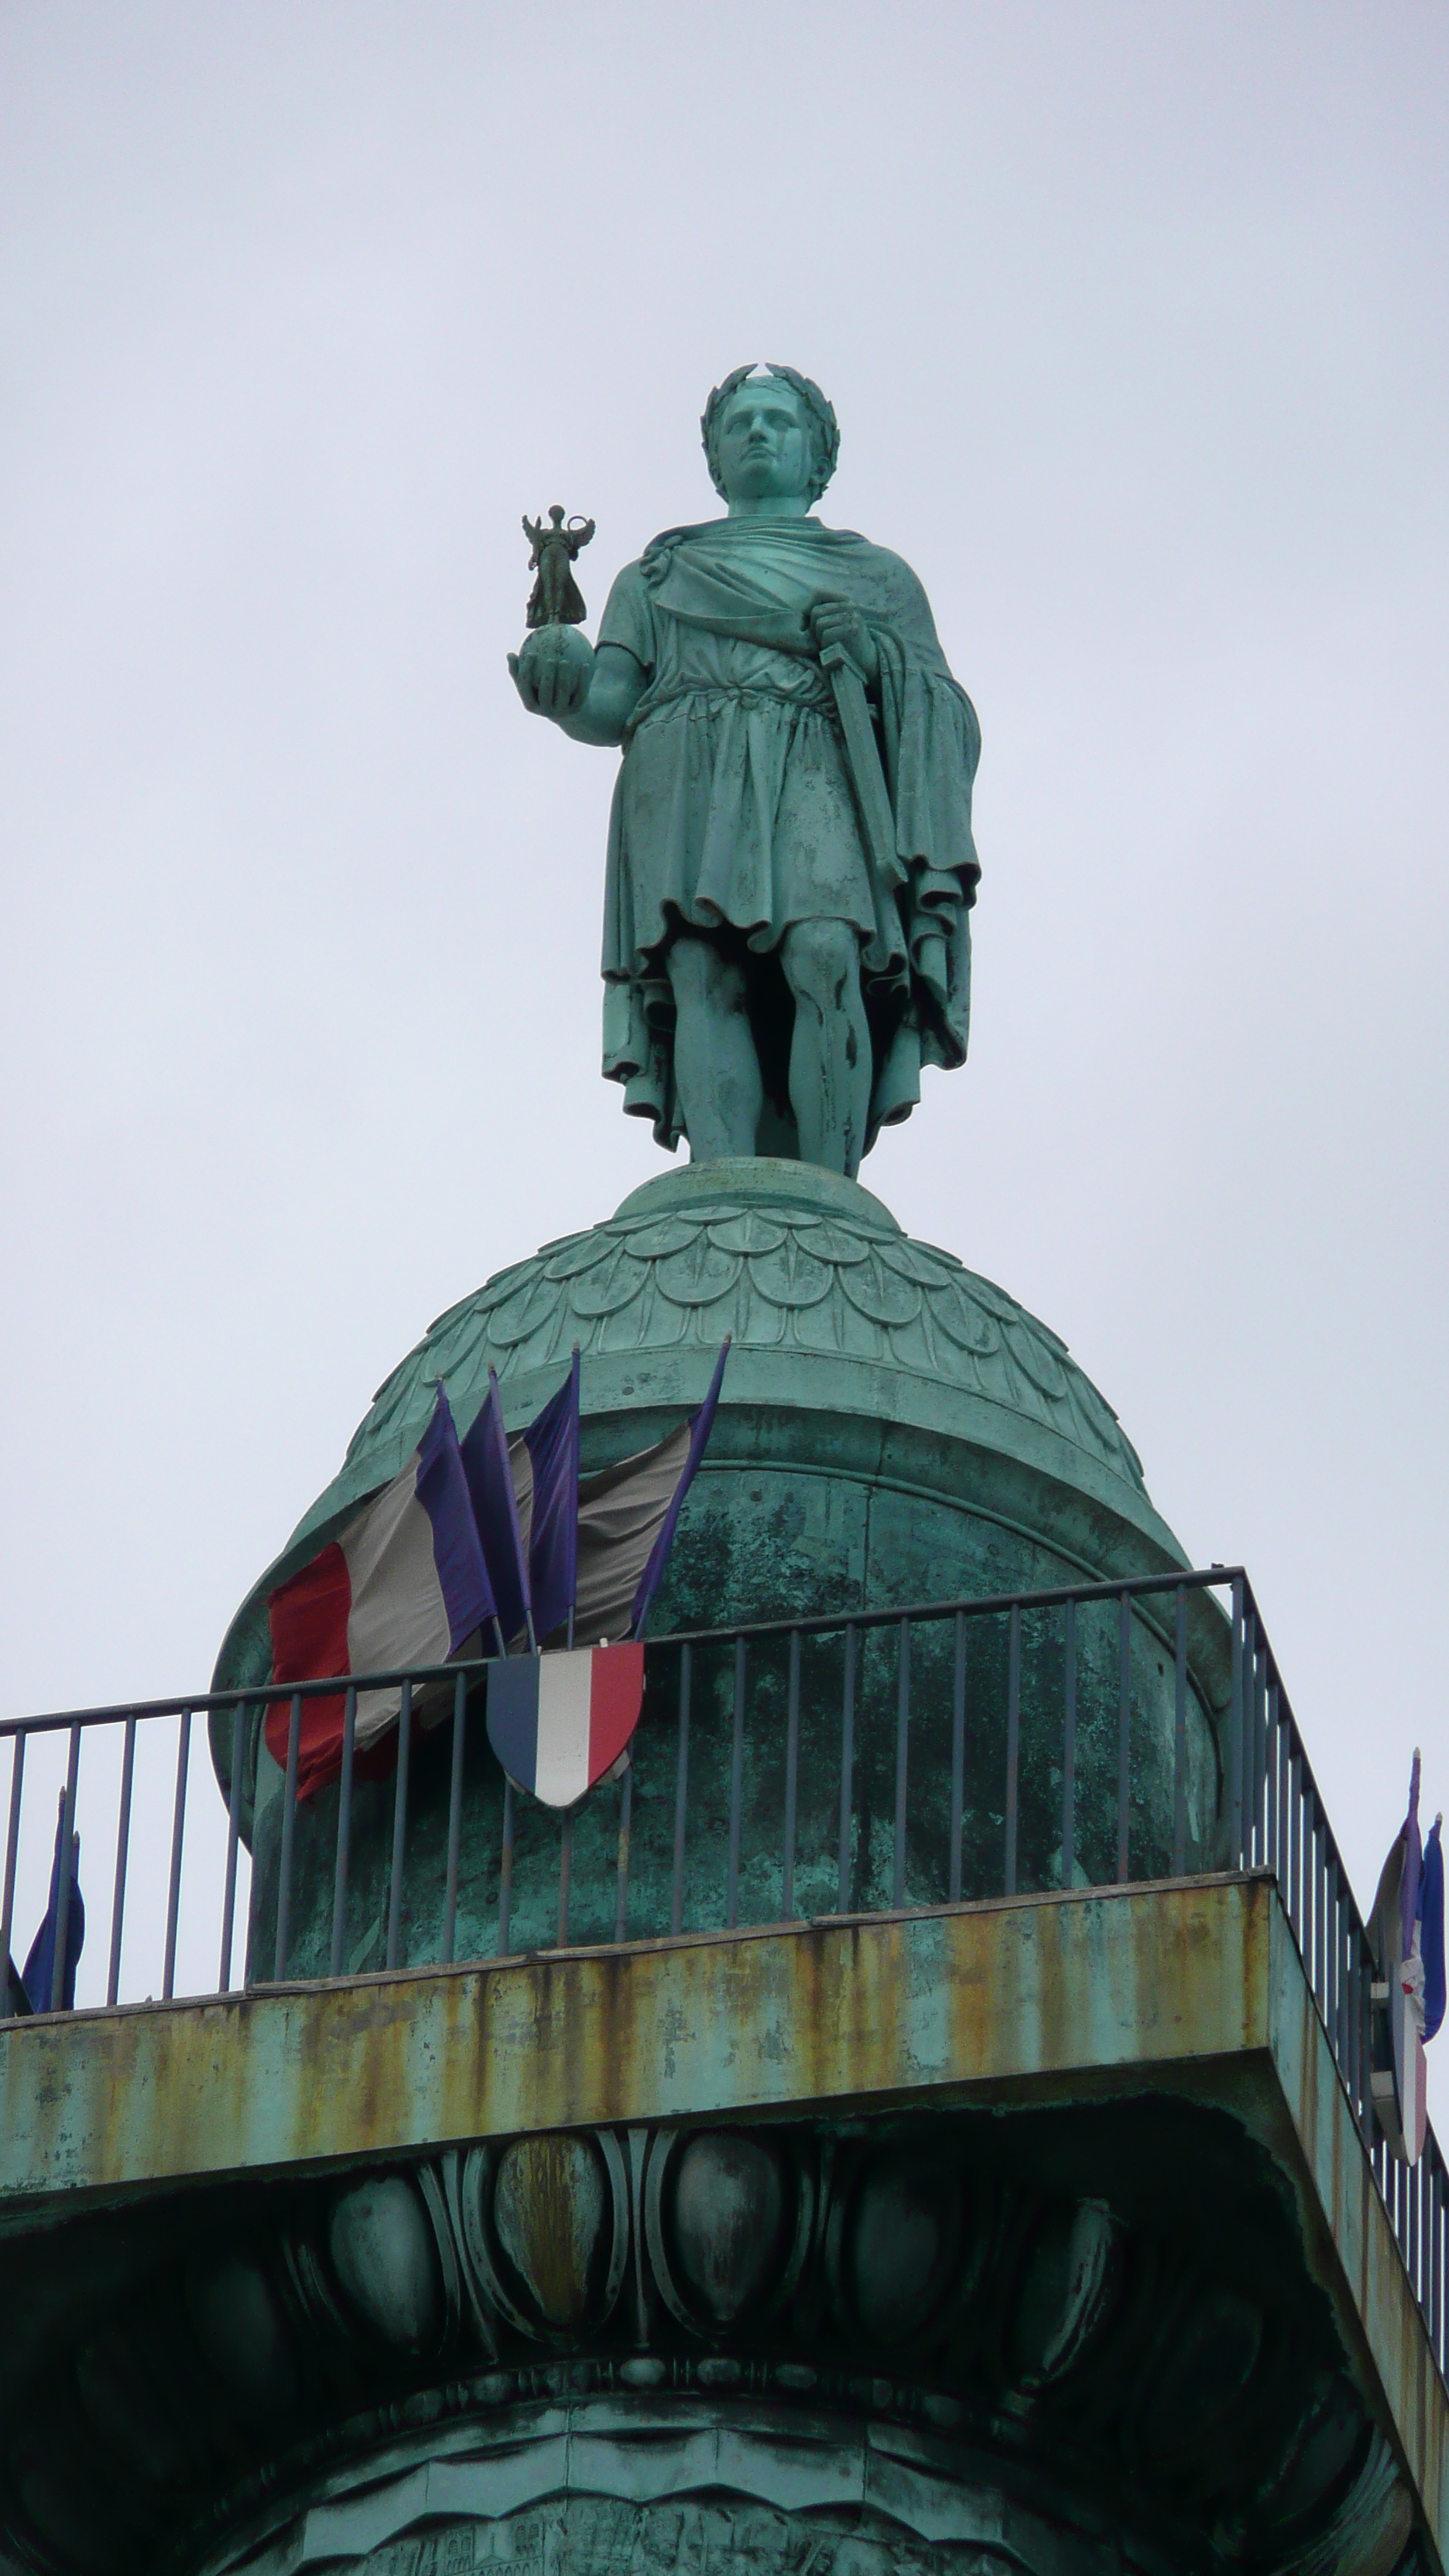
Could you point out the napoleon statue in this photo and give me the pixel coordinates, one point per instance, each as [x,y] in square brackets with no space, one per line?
[791,867]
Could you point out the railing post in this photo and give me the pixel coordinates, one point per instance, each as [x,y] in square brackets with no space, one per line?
[1235,1732]
[399,1825]
[1341,2004]
[1124,1735]
[1295,1844]
[792,1781]
[1366,2122]
[344,1833]
[67,1872]
[1437,2257]
[903,1721]
[1013,1739]
[233,1839]
[847,1772]
[1325,1914]
[1333,1936]
[681,1791]
[1312,1908]
[12,1852]
[1283,1719]
[178,1829]
[1440,2257]
[1069,1748]
[455,1817]
[737,1775]
[1426,2225]
[1179,1739]
[123,1850]
[1427,2237]
[1350,2012]
[1252,1699]
[1250,1736]
[1259,1745]
[565,1873]
[621,1893]
[505,1871]
[1317,1874]
[958,1758]
[1272,1775]
[289,1819]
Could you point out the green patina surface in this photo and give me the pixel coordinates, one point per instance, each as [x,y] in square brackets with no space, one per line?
[992,1994]
[791,864]
[1194,1990]
[856,1353]
[1014,2235]
[894,1429]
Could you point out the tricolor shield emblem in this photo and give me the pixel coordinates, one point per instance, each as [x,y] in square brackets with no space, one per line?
[558,1722]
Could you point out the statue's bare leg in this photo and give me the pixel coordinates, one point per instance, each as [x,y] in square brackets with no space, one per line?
[715,1063]
[830,1060]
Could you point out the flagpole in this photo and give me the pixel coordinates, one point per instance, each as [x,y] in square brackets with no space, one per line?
[574,1586]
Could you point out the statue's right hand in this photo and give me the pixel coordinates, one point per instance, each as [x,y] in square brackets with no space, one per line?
[553,670]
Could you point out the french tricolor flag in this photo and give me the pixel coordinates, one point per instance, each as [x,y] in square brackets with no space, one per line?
[403,1584]
[559,1722]
[469,1547]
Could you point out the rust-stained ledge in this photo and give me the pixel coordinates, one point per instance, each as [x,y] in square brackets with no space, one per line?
[1190,1986]
[875,2006]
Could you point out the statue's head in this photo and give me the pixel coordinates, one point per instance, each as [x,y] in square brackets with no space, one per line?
[769,431]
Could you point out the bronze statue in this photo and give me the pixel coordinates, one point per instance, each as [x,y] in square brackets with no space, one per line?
[791,869]
[556,599]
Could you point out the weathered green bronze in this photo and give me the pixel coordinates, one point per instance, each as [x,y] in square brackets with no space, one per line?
[791,867]
[556,599]
[1014,2241]
[893,1429]
[1032,2237]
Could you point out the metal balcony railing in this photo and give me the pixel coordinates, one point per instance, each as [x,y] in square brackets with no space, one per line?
[1041,1650]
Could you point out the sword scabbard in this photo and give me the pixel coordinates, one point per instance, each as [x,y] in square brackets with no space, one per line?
[866,774]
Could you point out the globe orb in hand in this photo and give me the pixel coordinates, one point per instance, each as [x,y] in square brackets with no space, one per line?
[553,670]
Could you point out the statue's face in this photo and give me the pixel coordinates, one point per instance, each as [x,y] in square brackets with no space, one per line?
[763,444]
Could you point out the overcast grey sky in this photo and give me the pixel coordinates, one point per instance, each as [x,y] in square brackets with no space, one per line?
[1135,320]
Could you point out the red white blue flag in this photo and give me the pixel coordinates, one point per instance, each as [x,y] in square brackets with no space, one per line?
[479,1544]
[403,1584]
[558,1722]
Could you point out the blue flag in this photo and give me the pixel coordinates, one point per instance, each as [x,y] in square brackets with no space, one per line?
[458,1559]
[552,1442]
[1431,1929]
[65,1907]
[489,1474]
[586,1555]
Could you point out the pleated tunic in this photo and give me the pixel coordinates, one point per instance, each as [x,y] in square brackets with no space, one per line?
[734,811]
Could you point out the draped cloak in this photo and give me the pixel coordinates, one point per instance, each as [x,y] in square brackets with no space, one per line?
[734,812]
